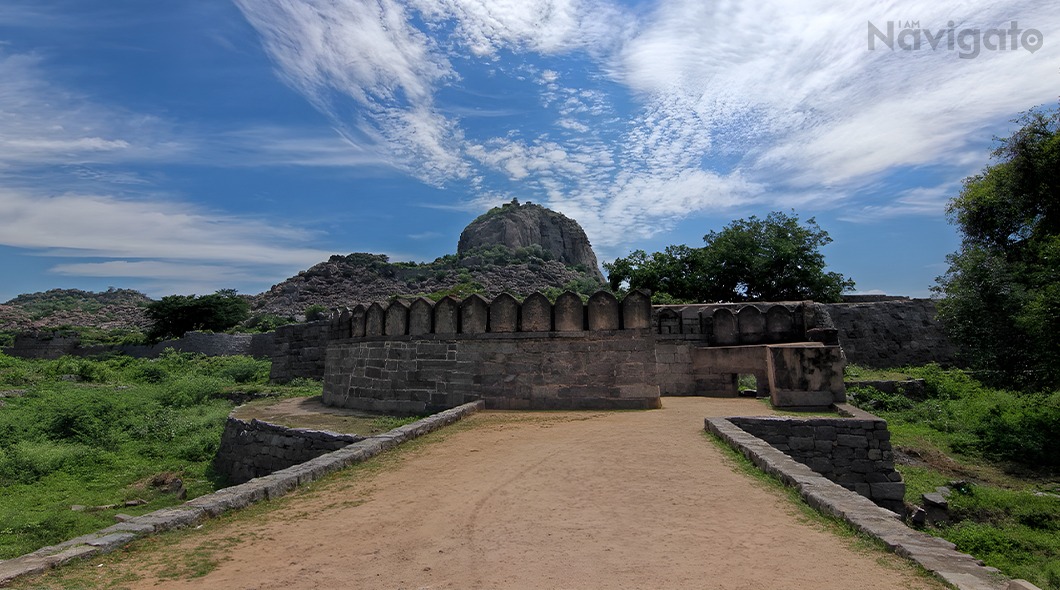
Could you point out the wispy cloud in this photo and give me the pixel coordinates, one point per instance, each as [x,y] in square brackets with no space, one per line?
[44,124]
[103,226]
[775,104]
[156,239]
[801,112]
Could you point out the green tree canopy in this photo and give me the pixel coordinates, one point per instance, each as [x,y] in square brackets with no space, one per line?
[773,259]
[173,315]
[1001,295]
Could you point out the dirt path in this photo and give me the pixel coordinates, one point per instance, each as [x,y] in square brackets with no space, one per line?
[546,500]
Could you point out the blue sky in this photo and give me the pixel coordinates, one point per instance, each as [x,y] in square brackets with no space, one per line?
[184,147]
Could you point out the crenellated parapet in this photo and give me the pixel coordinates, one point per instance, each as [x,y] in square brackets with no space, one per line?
[740,324]
[416,356]
[791,348]
[504,314]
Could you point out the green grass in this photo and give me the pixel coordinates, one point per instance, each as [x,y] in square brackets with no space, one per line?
[163,555]
[1005,443]
[859,373]
[96,432]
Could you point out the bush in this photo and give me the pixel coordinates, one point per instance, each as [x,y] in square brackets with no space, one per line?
[174,315]
[978,420]
[316,312]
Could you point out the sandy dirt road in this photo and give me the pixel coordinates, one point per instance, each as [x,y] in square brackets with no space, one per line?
[543,501]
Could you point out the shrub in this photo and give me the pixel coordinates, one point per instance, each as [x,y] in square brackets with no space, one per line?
[316,312]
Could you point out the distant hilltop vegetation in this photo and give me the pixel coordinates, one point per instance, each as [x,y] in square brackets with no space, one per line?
[518,248]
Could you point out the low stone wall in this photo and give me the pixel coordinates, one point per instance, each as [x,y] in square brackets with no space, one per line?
[853,452]
[936,555]
[54,345]
[256,448]
[896,333]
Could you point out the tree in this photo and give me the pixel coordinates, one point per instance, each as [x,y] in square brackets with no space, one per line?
[772,259]
[173,315]
[1001,295]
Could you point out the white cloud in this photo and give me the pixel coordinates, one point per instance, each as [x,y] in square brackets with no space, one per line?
[44,124]
[542,26]
[101,226]
[799,80]
[772,104]
[368,52]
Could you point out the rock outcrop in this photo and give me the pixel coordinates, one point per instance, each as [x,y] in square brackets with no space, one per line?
[524,226]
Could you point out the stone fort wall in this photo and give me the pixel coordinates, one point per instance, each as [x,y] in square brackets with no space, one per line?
[894,333]
[423,356]
[854,451]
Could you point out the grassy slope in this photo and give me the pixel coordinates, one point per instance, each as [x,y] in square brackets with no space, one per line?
[1004,444]
[98,433]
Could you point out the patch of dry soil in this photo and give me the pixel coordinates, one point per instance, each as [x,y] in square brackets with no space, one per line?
[546,500]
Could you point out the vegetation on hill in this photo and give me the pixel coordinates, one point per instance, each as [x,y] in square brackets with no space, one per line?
[1001,295]
[772,259]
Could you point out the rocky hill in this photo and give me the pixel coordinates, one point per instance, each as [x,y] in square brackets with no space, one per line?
[515,248]
[364,278]
[518,226]
[111,309]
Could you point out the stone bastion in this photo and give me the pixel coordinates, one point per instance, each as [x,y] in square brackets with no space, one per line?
[422,356]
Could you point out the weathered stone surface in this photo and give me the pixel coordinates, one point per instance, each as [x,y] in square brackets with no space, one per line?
[603,311]
[569,313]
[726,330]
[751,325]
[375,320]
[447,316]
[891,333]
[474,315]
[536,314]
[805,374]
[504,314]
[780,324]
[357,321]
[636,310]
[254,449]
[421,317]
[669,321]
[397,318]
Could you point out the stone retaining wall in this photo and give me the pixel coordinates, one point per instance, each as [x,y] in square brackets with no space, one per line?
[256,448]
[422,356]
[852,452]
[936,555]
[405,375]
